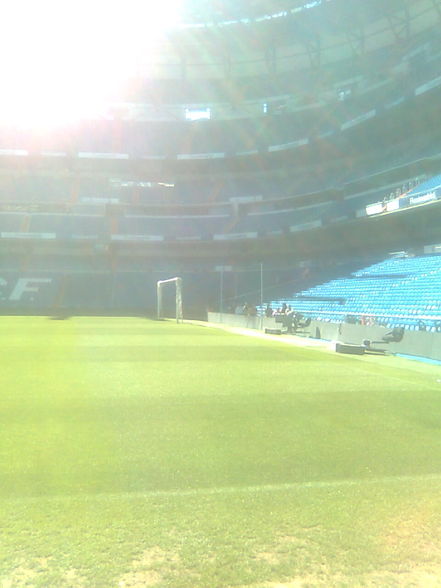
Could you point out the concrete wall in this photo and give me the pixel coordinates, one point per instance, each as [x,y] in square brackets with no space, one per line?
[417,343]
[240,321]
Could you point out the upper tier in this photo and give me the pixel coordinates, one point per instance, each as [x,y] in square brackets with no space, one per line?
[236,39]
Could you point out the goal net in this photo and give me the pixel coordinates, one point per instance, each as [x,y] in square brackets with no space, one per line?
[160,286]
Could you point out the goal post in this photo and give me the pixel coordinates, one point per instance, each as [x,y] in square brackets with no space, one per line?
[178,294]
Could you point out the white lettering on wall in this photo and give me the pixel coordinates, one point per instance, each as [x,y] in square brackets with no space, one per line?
[27,285]
[3,284]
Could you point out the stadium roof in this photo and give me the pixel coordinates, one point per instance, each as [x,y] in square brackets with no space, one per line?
[58,57]
[201,12]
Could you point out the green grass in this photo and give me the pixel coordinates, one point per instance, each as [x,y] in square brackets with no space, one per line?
[139,453]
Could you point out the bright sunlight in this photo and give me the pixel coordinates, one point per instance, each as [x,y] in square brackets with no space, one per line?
[61,60]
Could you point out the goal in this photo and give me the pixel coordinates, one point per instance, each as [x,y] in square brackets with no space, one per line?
[160,285]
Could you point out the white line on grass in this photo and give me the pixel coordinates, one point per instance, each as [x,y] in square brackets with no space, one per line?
[236,489]
[289,339]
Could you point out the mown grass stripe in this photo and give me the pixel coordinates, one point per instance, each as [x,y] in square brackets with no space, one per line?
[233,489]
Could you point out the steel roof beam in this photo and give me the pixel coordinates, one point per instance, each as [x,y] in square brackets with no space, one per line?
[399,21]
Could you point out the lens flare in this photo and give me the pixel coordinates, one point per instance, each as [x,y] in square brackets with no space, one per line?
[62,60]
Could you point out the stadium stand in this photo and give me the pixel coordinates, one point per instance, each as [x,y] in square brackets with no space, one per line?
[425,187]
[397,292]
[292,153]
[11,222]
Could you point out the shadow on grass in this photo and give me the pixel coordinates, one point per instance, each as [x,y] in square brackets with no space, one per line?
[59,317]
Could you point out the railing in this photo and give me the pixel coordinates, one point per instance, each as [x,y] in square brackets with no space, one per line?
[376,318]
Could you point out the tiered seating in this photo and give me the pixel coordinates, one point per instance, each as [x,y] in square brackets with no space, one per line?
[67,264]
[88,227]
[278,220]
[402,292]
[431,184]
[180,227]
[11,222]
[34,189]
[65,226]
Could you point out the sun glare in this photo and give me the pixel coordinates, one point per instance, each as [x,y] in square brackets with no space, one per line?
[61,60]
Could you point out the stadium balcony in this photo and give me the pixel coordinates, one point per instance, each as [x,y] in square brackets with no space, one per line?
[282,128]
[67,226]
[184,227]
[425,187]
[34,188]
[12,222]
[102,219]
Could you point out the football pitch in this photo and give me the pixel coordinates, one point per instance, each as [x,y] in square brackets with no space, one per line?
[137,453]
